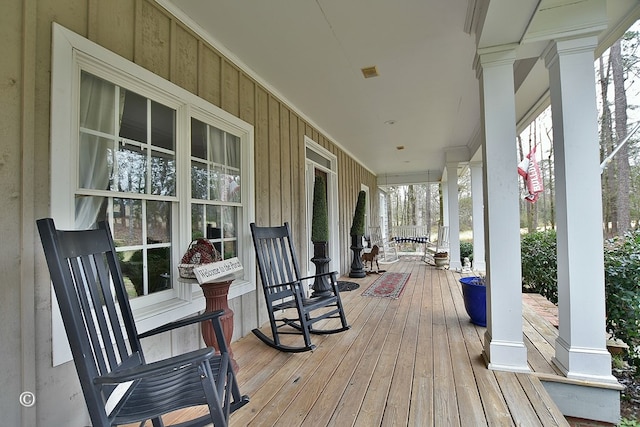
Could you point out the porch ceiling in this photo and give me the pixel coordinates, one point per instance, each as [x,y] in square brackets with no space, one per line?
[426,97]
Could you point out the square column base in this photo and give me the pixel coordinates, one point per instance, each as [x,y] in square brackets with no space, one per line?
[508,356]
[590,364]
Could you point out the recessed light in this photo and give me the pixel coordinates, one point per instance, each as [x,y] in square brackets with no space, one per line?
[369,72]
[390,122]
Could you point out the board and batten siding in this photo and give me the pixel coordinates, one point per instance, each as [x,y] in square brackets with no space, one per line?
[145,33]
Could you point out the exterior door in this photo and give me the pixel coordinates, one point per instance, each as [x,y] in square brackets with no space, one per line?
[320,162]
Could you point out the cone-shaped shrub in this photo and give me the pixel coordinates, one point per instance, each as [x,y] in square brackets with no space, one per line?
[357,226]
[319,219]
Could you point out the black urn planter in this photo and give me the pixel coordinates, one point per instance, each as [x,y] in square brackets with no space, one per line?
[321,286]
[357,267]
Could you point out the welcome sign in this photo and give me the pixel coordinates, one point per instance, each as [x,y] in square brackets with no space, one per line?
[218,271]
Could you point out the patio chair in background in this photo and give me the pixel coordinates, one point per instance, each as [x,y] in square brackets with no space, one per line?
[119,387]
[283,288]
[442,244]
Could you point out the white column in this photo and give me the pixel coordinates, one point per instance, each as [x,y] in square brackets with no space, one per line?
[504,345]
[445,202]
[477,212]
[454,216]
[581,346]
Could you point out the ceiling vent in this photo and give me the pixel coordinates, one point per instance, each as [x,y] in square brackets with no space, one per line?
[369,72]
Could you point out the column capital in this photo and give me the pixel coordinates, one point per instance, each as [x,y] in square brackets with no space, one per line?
[567,47]
[494,57]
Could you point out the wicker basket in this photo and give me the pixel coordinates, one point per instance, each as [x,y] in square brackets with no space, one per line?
[200,252]
[186,270]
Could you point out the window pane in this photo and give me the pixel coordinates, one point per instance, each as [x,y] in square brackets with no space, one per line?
[163,174]
[216,145]
[132,267]
[133,124]
[230,224]
[95,168]
[159,267]
[97,104]
[132,168]
[231,191]
[198,222]
[233,151]
[127,222]
[198,139]
[163,126]
[214,226]
[217,183]
[158,222]
[199,180]
[90,210]
[230,250]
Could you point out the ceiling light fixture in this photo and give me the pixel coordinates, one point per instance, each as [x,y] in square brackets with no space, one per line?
[390,122]
[369,72]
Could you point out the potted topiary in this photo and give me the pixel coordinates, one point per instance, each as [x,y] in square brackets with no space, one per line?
[357,231]
[319,237]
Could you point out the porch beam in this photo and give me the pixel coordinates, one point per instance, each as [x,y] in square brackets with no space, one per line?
[504,347]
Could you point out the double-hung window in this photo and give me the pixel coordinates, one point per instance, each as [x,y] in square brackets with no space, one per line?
[160,165]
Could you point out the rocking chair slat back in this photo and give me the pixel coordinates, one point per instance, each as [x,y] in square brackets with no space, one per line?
[283,289]
[119,388]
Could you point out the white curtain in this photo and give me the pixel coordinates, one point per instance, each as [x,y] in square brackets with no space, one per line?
[96,153]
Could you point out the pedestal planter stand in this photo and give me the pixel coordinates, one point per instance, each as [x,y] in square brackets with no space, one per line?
[321,286]
[216,294]
[357,268]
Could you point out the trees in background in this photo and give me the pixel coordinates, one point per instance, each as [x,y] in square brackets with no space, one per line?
[618,87]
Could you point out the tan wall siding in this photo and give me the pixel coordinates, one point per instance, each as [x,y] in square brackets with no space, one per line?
[140,31]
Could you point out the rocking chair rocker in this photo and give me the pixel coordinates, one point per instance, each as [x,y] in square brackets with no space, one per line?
[118,386]
[283,290]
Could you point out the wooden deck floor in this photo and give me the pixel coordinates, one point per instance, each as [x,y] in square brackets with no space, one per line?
[414,361]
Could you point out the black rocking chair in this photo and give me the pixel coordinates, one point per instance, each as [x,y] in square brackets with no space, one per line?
[283,290]
[118,386]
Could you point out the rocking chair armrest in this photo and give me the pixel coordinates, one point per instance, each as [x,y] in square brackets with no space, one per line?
[289,284]
[156,368]
[183,322]
[330,273]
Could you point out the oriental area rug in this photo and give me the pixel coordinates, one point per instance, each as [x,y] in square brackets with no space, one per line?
[389,285]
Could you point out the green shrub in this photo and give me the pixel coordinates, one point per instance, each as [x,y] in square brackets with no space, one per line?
[357,226]
[539,264]
[466,250]
[622,282]
[622,278]
[320,218]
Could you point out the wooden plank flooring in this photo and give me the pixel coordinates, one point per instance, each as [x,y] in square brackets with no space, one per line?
[414,361]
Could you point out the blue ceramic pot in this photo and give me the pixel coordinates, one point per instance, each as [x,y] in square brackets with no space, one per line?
[474,293]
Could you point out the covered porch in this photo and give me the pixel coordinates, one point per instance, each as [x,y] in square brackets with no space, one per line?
[415,360]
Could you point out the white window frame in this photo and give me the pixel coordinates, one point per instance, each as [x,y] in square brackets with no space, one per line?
[72,53]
